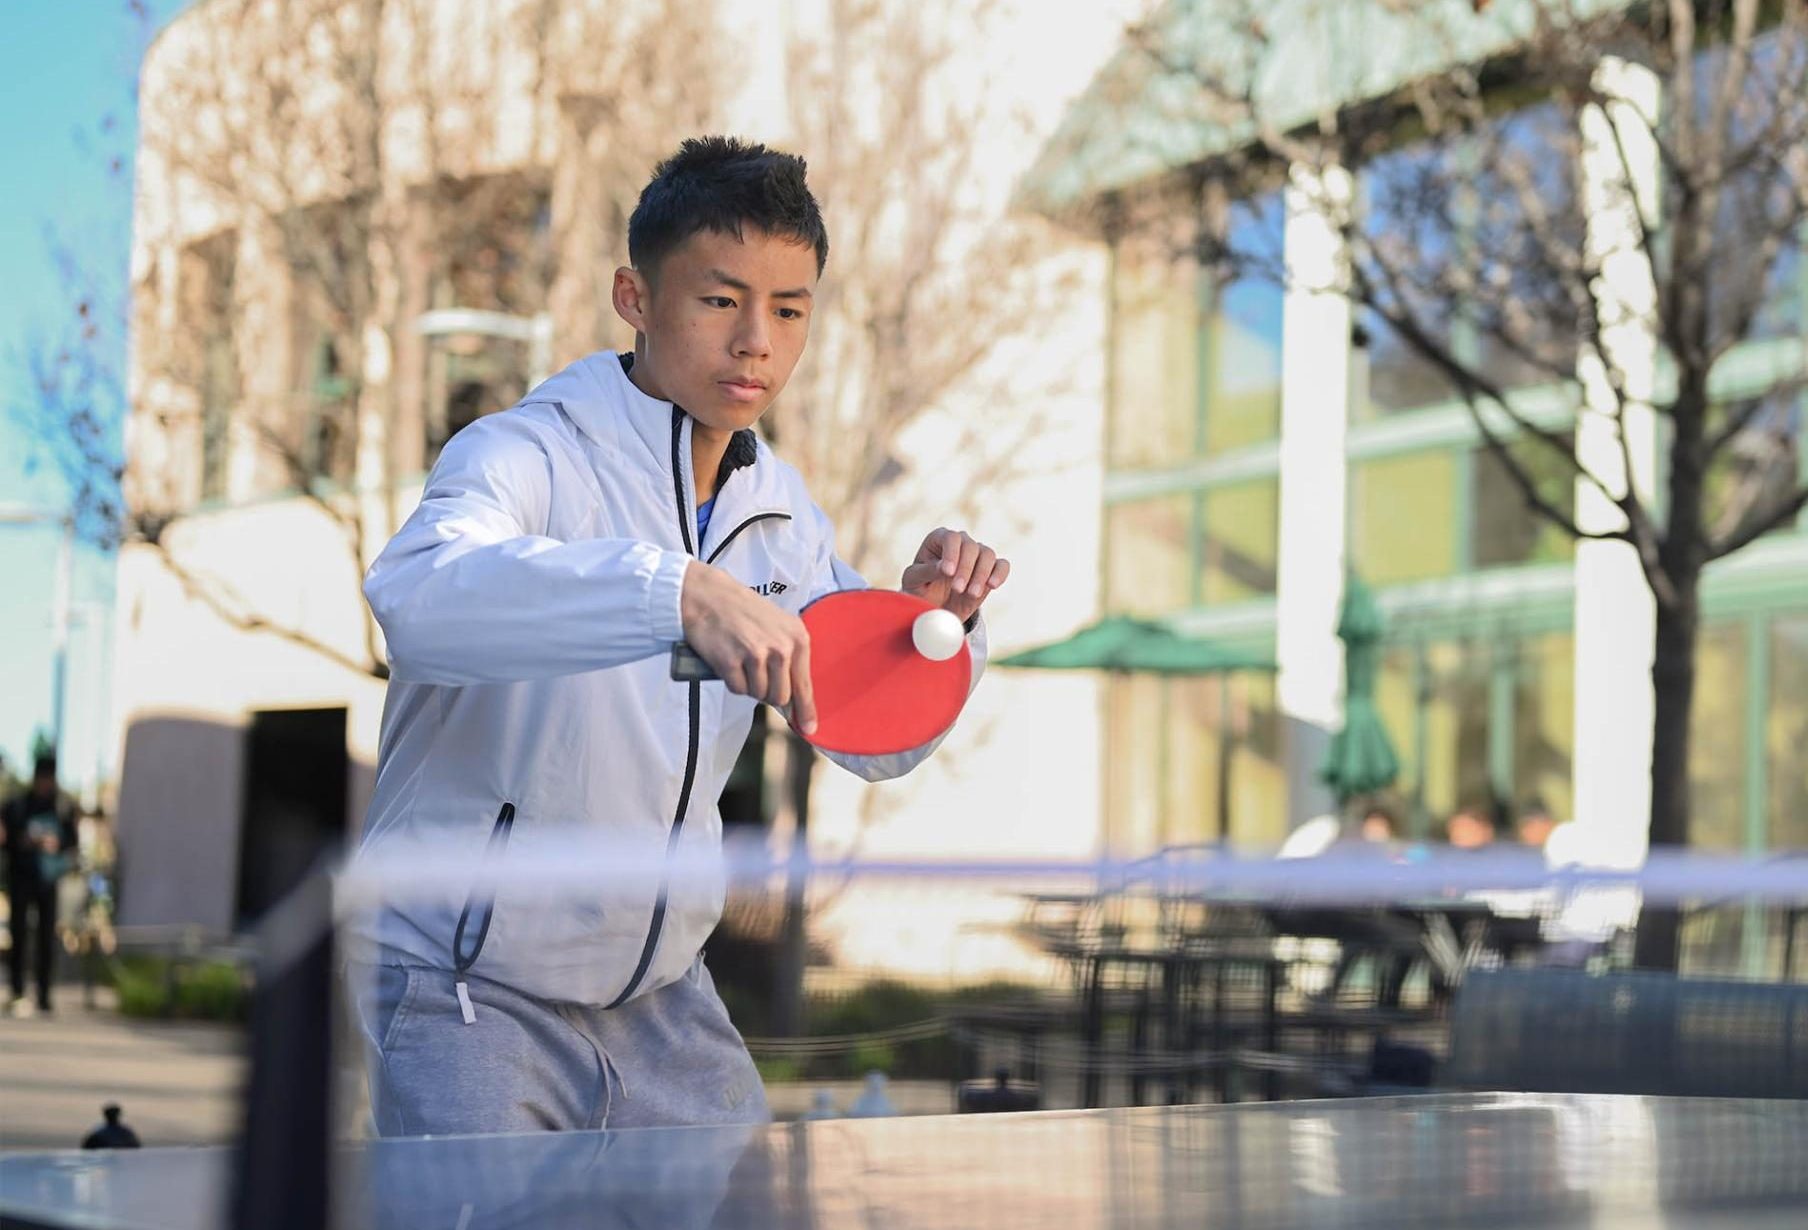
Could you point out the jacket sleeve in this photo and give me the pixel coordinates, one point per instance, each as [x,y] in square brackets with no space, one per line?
[830,575]
[472,590]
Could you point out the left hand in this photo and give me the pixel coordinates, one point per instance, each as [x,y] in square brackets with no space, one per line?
[955,571]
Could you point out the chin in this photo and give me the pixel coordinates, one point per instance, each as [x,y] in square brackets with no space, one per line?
[731,416]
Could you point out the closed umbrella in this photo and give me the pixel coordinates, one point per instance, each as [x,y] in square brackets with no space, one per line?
[1361,758]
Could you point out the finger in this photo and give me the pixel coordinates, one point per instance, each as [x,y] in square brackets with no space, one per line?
[803,695]
[983,559]
[1001,572]
[756,677]
[778,670]
[969,559]
[948,548]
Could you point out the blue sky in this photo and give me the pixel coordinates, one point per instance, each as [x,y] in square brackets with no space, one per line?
[65,68]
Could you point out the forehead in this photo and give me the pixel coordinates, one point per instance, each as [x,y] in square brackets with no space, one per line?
[757,258]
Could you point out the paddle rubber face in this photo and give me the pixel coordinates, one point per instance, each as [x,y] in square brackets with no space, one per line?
[875,693]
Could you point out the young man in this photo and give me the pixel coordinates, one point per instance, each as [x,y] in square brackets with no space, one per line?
[37,827]
[529,605]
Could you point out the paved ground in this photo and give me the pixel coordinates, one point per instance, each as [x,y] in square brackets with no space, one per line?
[179,1083]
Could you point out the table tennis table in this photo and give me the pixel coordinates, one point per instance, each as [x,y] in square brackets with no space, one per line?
[1499,1160]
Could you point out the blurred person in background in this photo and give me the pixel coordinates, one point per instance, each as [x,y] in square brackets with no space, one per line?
[1535,824]
[37,827]
[1378,823]
[1471,827]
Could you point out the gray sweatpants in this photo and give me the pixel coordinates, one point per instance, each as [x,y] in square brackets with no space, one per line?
[667,1058]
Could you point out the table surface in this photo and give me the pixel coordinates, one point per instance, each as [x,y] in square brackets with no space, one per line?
[1502,1160]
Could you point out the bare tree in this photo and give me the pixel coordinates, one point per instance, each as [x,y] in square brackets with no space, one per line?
[347,165]
[929,282]
[360,140]
[1531,218]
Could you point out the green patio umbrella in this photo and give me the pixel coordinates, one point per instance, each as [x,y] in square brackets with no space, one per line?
[1361,759]
[1136,646]
[1127,646]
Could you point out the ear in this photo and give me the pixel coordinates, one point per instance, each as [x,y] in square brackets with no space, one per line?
[633,297]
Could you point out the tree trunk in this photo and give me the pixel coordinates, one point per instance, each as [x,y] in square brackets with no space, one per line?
[794,939]
[1673,685]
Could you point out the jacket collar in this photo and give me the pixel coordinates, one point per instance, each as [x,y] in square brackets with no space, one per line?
[607,406]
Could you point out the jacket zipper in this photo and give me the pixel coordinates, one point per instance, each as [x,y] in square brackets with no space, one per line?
[690,756]
[462,963]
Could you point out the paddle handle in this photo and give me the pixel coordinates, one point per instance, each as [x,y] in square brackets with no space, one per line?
[688,665]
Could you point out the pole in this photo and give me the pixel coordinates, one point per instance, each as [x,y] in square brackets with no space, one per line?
[59,634]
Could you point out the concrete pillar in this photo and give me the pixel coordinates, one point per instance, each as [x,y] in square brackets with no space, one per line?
[1616,615]
[1315,411]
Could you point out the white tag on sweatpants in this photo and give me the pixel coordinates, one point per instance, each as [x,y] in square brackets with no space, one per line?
[464,1003]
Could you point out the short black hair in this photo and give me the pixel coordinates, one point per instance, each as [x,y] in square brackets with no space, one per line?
[43,766]
[722,184]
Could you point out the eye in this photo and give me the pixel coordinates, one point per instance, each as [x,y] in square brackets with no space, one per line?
[790,313]
[718,301]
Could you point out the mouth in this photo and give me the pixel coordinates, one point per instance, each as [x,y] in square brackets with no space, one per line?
[742,390]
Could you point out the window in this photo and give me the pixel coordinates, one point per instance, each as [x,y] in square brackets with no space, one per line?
[1544,723]
[1455,712]
[1403,517]
[1238,541]
[1756,199]
[1240,352]
[1397,701]
[469,376]
[1134,763]
[1717,740]
[329,449]
[492,253]
[1155,289]
[1170,743]
[1504,527]
[1786,734]
[1149,561]
[219,387]
[208,352]
[1447,243]
[1196,357]
[1760,466]
[1173,552]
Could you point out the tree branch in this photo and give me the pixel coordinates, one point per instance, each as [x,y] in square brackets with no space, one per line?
[218,596]
[1758,524]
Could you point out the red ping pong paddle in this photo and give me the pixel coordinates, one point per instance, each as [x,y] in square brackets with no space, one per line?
[876,692]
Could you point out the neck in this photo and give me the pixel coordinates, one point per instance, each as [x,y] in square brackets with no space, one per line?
[708,444]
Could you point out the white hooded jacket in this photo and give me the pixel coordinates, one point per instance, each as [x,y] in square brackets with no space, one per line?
[529,605]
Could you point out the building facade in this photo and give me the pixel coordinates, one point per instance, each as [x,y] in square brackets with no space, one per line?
[1262,437]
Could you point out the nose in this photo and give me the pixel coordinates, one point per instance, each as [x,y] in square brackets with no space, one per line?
[752,339]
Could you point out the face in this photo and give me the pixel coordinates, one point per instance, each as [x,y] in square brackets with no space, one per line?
[1468,831]
[1377,827]
[722,323]
[1535,829]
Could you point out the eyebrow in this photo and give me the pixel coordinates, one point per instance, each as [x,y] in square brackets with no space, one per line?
[801,292]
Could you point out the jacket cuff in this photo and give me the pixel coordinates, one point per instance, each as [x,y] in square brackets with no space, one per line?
[665,591]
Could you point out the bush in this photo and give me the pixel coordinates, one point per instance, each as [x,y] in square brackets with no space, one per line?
[212,991]
[873,1057]
[153,986]
[778,1069]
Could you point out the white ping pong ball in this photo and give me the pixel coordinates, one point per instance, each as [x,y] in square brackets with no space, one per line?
[937,635]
